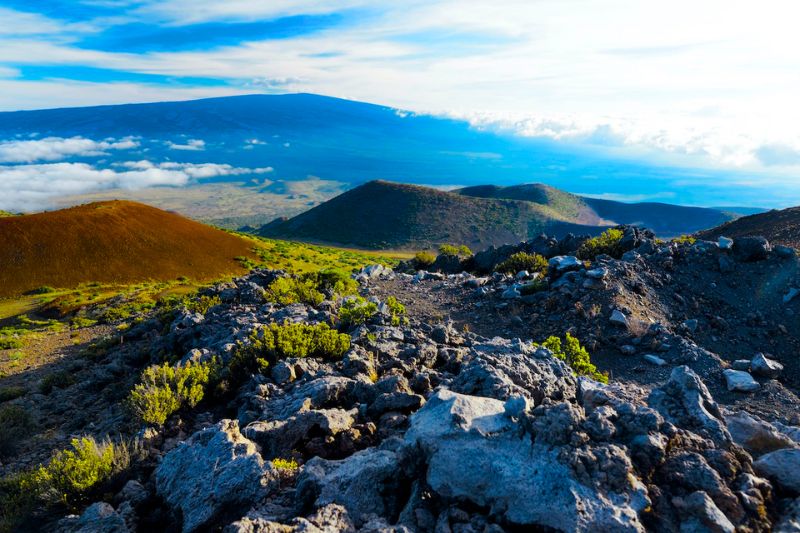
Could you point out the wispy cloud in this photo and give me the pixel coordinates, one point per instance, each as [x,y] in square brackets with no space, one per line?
[58,148]
[192,145]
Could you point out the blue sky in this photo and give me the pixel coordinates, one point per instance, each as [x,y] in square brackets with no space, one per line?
[709,84]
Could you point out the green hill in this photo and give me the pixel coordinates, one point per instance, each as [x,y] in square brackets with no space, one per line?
[386,215]
[667,220]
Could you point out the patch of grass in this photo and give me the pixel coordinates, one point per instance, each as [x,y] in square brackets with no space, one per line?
[685,239]
[523,261]
[356,310]
[78,322]
[607,243]
[11,393]
[165,389]
[575,355]
[60,380]
[16,423]
[285,465]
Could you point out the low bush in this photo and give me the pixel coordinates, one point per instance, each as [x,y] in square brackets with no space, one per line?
[332,282]
[277,341]
[537,285]
[61,379]
[356,311]
[453,250]
[165,389]
[68,479]
[15,424]
[201,304]
[423,260]
[523,261]
[44,289]
[575,355]
[285,465]
[10,343]
[685,239]
[287,291]
[607,243]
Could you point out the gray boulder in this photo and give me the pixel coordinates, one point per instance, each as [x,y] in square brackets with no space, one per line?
[215,471]
[474,451]
[702,514]
[740,381]
[280,437]
[618,318]
[564,263]
[366,483]
[100,517]
[751,248]
[781,466]
[764,367]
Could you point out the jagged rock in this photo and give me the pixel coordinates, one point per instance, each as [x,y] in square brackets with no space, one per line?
[782,466]
[278,438]
[329,518]
[597,273]
[685,401]
[790,521]
[755,435]
[511,293]
[751,248]
[475,437]
[764,367]
[395,401]
[725,243]
[368,482]
[703,514]
[215,471]
[618,318]
[536,376]
[100,517]
[740,381]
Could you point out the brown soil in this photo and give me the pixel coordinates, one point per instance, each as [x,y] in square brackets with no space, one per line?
[778,226]
[111,242]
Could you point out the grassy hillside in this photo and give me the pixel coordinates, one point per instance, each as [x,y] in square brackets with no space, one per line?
[4,214]
[778,226]
[111,242]
[388,215]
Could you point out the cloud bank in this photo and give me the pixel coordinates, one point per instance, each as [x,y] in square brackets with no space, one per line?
[32,187]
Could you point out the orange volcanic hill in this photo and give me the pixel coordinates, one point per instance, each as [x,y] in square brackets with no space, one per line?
[111,242]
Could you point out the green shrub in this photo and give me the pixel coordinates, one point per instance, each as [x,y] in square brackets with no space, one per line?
[15,424]
[165,389]
[685,239]
[423,260]
[397,311]
[575,355]
[72,473]
[332,282]
[456,251]
[356,311]
[201,304]
[277,341]
[81,322]
[285,465]
[607,242]
[287,291]
[10,393]
[10,343]
[61,379]
[523,261]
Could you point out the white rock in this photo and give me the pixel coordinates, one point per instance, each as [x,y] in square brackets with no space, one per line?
[563,263]
[725,243]
[755,435]
[597,273]
[654,359]
[740,381]
[511,293]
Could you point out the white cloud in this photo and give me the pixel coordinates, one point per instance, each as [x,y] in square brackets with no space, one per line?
[193,145]
[56,148]
[32,187]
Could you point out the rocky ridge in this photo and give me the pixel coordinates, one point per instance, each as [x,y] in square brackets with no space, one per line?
[431,427]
